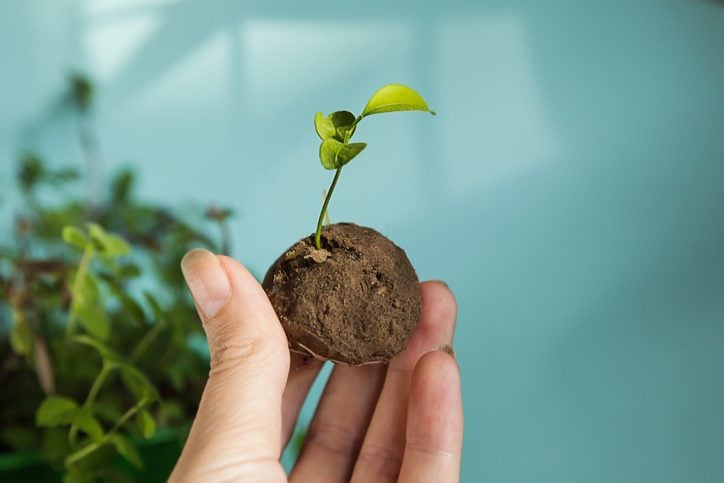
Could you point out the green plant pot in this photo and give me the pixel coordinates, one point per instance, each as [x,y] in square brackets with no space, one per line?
[159,455]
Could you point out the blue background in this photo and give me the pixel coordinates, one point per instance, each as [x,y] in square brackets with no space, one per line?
[570,190]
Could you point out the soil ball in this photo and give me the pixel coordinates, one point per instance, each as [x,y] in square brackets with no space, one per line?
[355,301]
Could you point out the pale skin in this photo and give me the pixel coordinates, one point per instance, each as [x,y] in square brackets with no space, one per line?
[396,422]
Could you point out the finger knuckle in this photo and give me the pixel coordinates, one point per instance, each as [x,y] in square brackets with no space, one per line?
[335,439]
[228,352]
[380,460]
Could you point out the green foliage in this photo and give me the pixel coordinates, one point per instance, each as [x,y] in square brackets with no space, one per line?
[335,154]
[146,423]
[75,237]
[394,98]
[126,449]
[86,422]
[56,411]
[108,244]
[32,173]
[21,336]
[81,91]
[92,288]
[336,130]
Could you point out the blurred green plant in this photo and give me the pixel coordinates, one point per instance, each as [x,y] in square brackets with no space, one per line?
[96,326]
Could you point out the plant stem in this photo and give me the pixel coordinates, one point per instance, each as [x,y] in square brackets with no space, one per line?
[129,414]
[318,234]
[78,287]
[146,340]
[100,379]
[83,452]
[326,215]
[92,394]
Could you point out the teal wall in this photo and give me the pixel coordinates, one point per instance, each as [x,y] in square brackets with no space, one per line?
[570,190]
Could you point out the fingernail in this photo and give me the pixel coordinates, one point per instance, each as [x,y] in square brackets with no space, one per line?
[448,349]
[207,281]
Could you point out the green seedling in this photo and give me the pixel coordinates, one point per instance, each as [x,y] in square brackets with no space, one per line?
[337,129]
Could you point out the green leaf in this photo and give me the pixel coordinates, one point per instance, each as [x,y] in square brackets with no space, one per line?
[106,353]
[110,245]
[134,312]
[74,237]
[87,423]
[344,122]
[90,290]
[21,335]
[126,449]
[56,411]
[335,154]
[172,410]
[55,446]
[30,172]
[94,319]
[146,423]
[338,125]
[137,383]
[324,127]
[395,97]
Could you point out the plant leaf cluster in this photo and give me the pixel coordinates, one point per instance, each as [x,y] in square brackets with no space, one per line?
[95,320]
[336,129]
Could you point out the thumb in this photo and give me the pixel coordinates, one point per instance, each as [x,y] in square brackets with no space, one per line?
[237,430]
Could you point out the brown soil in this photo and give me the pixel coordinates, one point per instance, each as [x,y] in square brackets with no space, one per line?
[357,300]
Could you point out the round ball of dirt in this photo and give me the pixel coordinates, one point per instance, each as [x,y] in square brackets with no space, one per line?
[355,301]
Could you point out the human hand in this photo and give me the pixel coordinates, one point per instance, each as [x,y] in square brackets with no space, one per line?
[400,421]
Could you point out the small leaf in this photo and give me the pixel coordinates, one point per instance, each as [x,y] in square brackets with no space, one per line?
[172,410]
[395,97]
[89,290]
[342,118]
[110,245]
[87,423]
[127,450]
[344,122]
[31,171]
[106,353]
[338,125]
[137,383]
[334,154]
[146,423]
[56,411]
[54,445]
[94,319]
[74,237]
[21,335]
[324,127]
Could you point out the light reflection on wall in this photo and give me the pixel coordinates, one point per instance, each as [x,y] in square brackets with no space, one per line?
[497,126]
